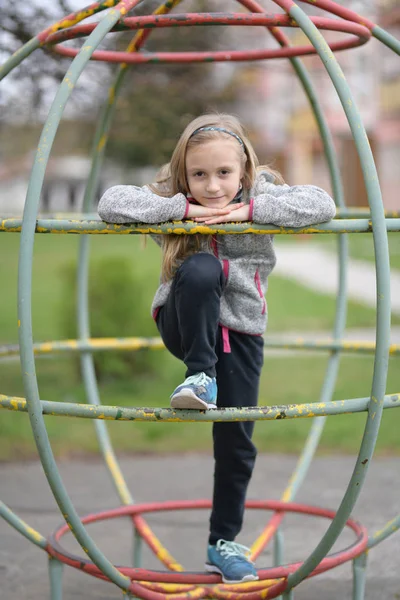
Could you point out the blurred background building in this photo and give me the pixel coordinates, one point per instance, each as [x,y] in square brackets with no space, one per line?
[157,101]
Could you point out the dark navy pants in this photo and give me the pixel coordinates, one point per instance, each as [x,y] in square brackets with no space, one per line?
[189,326]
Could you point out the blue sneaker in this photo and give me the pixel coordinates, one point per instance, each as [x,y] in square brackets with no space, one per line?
[230,560]
[197,391]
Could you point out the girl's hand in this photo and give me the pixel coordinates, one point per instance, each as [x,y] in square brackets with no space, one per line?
[238,212]
[201,213]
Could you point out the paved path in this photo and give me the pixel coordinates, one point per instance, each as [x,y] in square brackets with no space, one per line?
[23,567]
[316,268]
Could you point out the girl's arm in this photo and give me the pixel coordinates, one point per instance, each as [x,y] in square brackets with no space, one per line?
[132,204]
[286,206]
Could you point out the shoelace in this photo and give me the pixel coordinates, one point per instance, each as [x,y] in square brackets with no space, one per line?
[200,379]
[230,549]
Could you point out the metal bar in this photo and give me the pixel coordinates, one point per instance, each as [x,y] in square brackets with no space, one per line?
[137,548]
[98,227]
[136,344]
[359,576]
[87,363]
[386,531]
[15,59]
[26,530]
[25,294]
[383,287]
[387,39]
[278,548]
[354,212]
[156,414]
[56,569]
[317,427]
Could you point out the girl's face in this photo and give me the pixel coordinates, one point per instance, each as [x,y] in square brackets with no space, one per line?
[214,171]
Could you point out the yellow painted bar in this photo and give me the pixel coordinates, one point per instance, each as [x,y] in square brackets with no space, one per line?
[160,414]
[155,343]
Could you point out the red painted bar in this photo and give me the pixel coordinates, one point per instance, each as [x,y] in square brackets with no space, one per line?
[362,36]
[340,11]
[136,574]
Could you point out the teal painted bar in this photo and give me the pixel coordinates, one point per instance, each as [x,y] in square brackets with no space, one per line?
[36,407]
[15,59]
[304,461]
[18,57]
[383,287]
[24,299]
[56,570]
[26,530]
[183,228]
[359,576]
[380,535]
[83,321]
[387,39]
[363,213]
[278,551]
[156,414]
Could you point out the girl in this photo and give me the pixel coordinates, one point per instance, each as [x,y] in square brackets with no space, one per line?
[210,307]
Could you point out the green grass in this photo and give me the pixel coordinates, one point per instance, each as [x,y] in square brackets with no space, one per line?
[290,306]
[58,382]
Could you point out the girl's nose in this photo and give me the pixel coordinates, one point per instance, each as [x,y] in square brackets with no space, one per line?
[212,185]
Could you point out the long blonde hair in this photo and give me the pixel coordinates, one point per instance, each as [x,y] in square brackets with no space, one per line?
[172,180]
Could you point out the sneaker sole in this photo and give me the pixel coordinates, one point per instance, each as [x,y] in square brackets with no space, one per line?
[185,398]
[214,569]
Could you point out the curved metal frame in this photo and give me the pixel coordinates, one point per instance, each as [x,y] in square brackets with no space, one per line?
[375,221]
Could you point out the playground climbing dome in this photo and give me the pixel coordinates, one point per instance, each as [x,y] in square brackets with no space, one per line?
[174,583]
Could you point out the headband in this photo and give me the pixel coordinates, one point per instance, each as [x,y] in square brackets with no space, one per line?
[219,129]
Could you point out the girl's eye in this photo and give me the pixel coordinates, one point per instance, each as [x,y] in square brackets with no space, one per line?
[224,171]
[198,174]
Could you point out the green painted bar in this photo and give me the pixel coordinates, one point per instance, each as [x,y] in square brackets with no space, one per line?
[83,324]
[383,287]
[18,57]
[359,576]
[182,228]
[26,530]
[83,321]
[387,39]
[386,531]
[33,44]
[278,551]
[307,454]
[56,569]
[156,414]
[351,222]
[24,299]
[353,212]
[92,345]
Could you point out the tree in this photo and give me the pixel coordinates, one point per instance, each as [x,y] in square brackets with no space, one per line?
[158,100]
[28,89]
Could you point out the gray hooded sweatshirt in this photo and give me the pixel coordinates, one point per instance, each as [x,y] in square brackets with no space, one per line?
[246,259]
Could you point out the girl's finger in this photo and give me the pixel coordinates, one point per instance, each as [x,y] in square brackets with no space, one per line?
[224,211]
[236,206]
